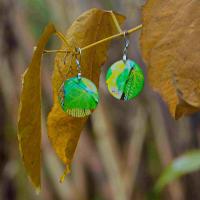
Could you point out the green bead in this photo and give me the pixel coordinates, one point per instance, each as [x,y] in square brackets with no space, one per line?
[78,97]
[125,80]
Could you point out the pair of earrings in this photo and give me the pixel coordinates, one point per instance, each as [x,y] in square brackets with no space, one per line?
[78,96]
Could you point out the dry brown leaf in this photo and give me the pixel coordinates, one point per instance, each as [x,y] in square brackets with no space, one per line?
[170,46]
[93,25]
[29,120]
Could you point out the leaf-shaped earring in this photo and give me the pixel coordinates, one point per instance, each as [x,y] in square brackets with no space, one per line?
[125,78]
[78,96]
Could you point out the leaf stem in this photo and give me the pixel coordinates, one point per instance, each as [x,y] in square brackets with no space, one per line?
[62,37]
[116,22]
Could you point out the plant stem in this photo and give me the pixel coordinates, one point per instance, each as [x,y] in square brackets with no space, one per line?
[121,33]
[116,22]
[54,51]
[62,37]
[112,37]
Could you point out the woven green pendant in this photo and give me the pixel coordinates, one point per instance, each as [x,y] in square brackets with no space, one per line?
[78,97]
[125,80]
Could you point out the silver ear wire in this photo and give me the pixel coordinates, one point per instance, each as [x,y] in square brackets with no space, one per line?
[78,61]
[125,51]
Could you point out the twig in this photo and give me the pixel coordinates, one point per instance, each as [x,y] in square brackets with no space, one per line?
[112,37]
[62,37]
[55,51]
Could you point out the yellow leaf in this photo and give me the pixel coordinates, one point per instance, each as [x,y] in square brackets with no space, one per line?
[29,119]
[170,46]
[93,25]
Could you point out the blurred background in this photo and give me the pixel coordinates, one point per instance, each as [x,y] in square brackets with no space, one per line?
[125,145]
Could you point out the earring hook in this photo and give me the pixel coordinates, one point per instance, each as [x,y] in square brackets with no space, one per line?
[125,51]
[78,61]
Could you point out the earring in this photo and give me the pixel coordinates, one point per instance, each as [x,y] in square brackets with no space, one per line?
[125,78]
[78,96]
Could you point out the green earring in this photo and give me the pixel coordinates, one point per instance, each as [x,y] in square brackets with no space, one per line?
[78,96]
[125,78]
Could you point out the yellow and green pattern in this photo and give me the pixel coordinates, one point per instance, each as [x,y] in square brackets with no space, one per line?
[78,97]
[125,80]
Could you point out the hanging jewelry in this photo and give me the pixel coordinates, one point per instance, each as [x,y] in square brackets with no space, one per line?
[78,96]
[125,78]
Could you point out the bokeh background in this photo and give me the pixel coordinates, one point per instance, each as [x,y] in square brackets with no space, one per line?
[125,145]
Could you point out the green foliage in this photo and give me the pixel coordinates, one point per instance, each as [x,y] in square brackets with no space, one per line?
[185,164]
